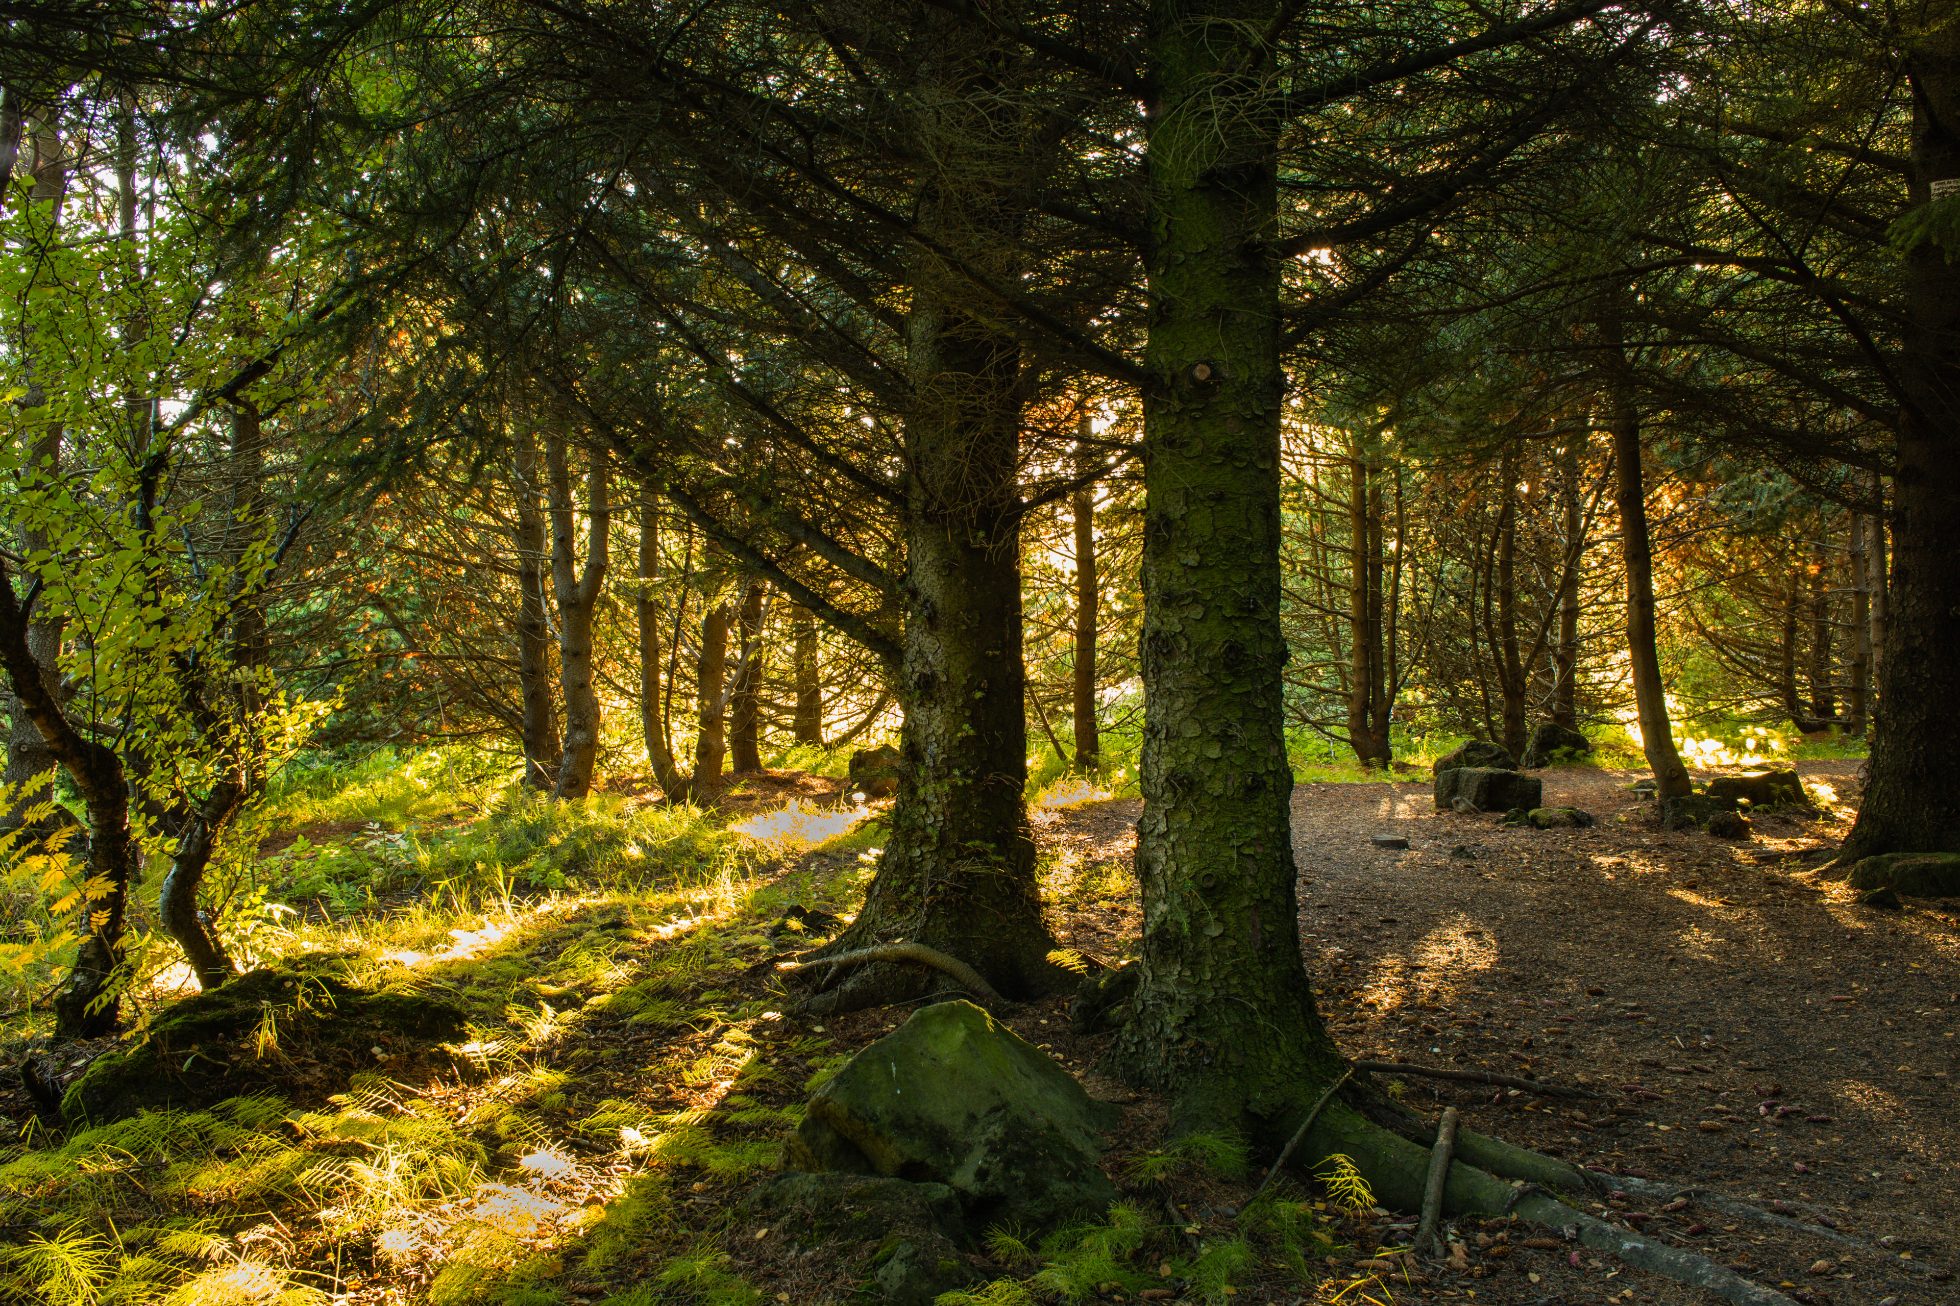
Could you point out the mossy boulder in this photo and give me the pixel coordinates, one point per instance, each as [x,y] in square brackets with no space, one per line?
[953,1097]
[1551,743]
[1695,811]
[909,1234]
[1488,789]
[1558,818]
[235,1038]
[874,772]
[1916,875]
[1769,787]
[1478,753]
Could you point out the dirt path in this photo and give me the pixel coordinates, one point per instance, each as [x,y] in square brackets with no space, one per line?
[1753,1031]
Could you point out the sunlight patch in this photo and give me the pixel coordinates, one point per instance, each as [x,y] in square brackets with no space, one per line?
[1072,791]
[799,826]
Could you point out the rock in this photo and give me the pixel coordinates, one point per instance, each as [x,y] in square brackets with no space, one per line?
[1103,998]
[874,772]
[1551,743]
[1764,788]
[807,922]
[1885,899]
[913,1230]
[1916,875]
[1728,825]
[1477,752]
[1692,811]
[1463,807]
[239,1037]
[1649,786]
[1388,841]
[1488,788]
[1517,816]
[1559,818]
[953,1097]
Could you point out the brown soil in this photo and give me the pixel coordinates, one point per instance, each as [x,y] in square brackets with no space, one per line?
[1752,1030]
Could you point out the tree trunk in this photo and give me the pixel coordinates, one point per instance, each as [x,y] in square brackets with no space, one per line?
[1823,699]
[1368,713]
[1643,652]
[1088,598]
[745,697]
[30,762]
[646,615]
[1513,684]
[711,698]
[1565,655]
[1914,771]
[1878,584]
[539,715]
[1858,692]
[807,723]
[577,594]
[1786,652]
[1223,1017]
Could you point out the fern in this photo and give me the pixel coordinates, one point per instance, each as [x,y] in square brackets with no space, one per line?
[1347,1188]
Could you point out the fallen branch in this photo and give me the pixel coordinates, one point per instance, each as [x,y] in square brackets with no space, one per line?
[968,978]
[1286,1153]
[1475,1077]
[1432,1194]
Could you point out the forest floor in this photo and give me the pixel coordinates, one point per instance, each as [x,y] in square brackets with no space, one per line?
[634,1065]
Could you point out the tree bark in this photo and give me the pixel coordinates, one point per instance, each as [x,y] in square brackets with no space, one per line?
[1223,1017]
[1823,697]
[1858,692]
[1643,651]
[1088,598]
[1512,682]
[1914,771]
[646,616]
[1368,708]
[1565,654]
[745,696]
[577,593]
[711,700]
[538,719]
[807,723]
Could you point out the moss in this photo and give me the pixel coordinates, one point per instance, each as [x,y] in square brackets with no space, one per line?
[1917,875]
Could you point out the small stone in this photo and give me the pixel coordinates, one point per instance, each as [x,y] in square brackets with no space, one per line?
[1885,898]
[1389,841]
[1464,853]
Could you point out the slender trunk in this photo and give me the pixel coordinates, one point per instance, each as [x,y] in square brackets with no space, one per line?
[30,762]
[1786,650]
[1643,652]
[1223,1016]
[807,723]
[539,716]
[577,593]
[710,685]
[1823,701]
[1364,615]
[646,614]
[1915,770]
[1088,597]
[190,857]
[745,697]
[1565,655]
[1511,679]
[1878,584]
[1858,692]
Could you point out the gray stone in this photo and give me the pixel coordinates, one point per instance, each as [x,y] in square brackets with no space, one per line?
[1764,788]
[1916,875]
[1551,743]
[874,772]
[1648,787]
[1488,789]
[1388,841]
[953,1097]
[1476,752]
[1559,818]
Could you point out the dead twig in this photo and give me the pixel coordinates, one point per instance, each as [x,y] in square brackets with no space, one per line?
[1427,1243]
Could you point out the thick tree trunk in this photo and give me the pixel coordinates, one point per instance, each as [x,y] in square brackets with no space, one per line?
[577,593]
[29,759]
[1565,654]
[1858,692]
[1915,770]
[190,858]
[745,696]
[538,720]
[807,722]
[1088,598]
[1643,651]
[1223,1017]
[711,702]
[646,616]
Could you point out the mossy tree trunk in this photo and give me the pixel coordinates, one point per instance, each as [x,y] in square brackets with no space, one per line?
[576,589]
[1915,770]
[1223,1017]
[538,714]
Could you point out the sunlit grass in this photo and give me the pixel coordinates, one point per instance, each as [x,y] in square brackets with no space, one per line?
[798,826]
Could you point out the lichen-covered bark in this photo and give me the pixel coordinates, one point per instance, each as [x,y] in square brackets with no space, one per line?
[1223,1017]
[1915,770]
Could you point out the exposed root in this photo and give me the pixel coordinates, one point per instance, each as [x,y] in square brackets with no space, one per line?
[964,975]
[1717,1202]
[1475,1077]
[1286,1153]
[1432,1194]
[1687,1267]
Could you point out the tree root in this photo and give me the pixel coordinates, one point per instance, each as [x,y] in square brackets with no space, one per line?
[1426,1243]
[964,975]
[1475,1077]
[1717,1202]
